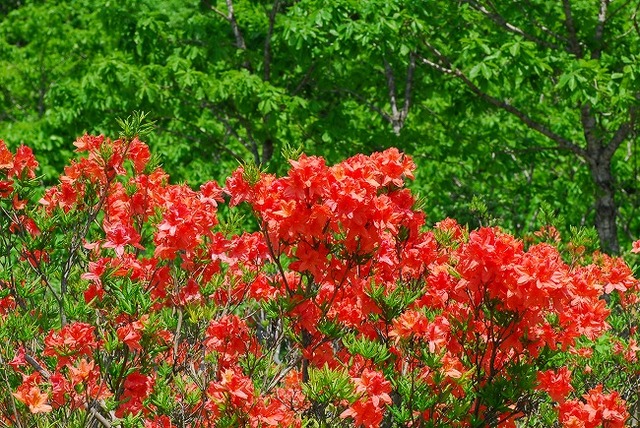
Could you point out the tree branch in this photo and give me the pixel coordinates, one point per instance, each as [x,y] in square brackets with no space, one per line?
[498,19]
[391,85]
[305,79]
[599,32]
[624,130]
[371,106]
[619,136]
[437,66]
[574,43]
[634,18]
[504,105]
[535,22]
[267,40]
[411,68]
[194,139]
[398,117]
[240,44]
[219,12]
[246,124]
[588,121]
[249,145]
[616,11]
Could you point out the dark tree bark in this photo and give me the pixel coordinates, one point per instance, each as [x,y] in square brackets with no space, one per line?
[605,205]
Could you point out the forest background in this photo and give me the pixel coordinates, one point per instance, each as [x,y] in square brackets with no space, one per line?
[517,113]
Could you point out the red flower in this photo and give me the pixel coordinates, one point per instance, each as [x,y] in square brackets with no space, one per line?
[131,335]
[73,340]
[89,143]
[597,409]
[364,414]
[556,383]
[137,388]
[230,337]
[373,385]
[6,188]
[24,163]
[233,390]
[139,154]
[35,399]
[119,235]
[6,157]
[408,324]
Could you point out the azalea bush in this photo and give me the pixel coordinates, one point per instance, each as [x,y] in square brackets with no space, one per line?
[316,299]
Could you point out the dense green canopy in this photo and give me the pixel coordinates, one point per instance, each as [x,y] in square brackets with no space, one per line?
[522,112]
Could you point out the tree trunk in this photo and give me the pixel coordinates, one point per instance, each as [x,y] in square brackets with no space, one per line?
[606,209]
[267,151]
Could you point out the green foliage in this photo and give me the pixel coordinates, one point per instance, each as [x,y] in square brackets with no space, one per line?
[342,77]
[135,126]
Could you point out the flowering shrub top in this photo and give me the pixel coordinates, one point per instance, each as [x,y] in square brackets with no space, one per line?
[130,300]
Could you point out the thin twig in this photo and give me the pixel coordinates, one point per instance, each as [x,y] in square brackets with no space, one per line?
[500,20]
[14,410]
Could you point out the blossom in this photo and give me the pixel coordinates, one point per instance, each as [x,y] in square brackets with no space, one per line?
[557,383]
[73,340]
[34,398]
[595,410]
[24,163]
[131,334]
[136,388]
[6,157]
[230,337]
[119,235]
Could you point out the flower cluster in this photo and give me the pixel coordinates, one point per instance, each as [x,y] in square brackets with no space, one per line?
[135,300]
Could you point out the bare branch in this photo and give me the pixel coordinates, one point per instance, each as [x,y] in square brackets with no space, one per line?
[498,19]
[574,43]
[436,66]
[231,18]
[36,365]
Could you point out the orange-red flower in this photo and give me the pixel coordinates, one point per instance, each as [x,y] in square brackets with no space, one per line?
[34,398]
